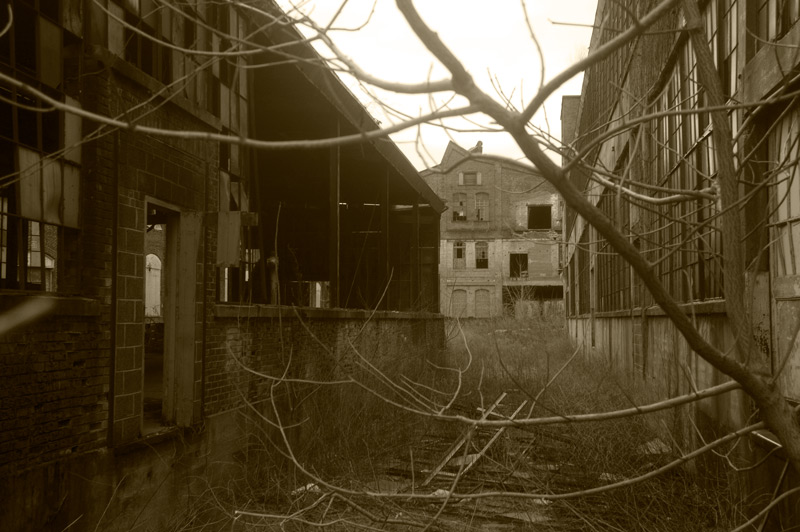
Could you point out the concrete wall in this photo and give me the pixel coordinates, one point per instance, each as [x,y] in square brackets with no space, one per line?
[648,348]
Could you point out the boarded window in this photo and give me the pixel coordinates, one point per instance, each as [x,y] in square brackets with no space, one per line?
[469,178]
[539,217]
[481,255]
[458,303]
[483,308]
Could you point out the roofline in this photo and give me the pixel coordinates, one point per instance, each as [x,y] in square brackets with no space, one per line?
[331,87]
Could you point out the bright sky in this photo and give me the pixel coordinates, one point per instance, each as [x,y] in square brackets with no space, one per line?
[491,39]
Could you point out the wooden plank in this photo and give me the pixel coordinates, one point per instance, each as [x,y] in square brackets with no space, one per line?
[493,439]
[460,442]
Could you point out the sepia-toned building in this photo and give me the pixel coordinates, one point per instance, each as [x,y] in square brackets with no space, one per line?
[499,250]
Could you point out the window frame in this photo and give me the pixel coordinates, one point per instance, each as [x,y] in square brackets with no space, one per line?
[482,211]
[481,255]
[459,207]
[459,248]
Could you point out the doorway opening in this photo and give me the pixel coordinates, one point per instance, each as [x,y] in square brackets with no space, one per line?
[159,242]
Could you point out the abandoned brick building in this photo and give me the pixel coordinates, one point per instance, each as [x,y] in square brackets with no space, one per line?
[753,43]
[499,249]
[154,253]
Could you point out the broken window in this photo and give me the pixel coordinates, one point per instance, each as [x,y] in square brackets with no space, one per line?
[518,265]
[539,217]
[459,207]
[481,255]
[775,18]
[482,207]
[39,199]
[238,248]
[459,256]
[134,32]
[39,193]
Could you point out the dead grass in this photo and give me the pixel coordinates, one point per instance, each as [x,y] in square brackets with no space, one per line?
[523,357]
[352,439]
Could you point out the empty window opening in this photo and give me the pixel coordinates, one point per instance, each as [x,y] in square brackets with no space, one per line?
[539,217]
[459,255]
[482,255]
[518,265]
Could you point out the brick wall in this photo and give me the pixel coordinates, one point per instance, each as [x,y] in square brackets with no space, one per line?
[55,372]
[318,347]
[53,389]
[179,174]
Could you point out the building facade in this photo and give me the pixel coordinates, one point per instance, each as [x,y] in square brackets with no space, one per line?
[499,250]
[141,229]
[657,181]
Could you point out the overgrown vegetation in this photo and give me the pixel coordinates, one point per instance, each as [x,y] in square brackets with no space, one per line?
[524,357]
[350,438]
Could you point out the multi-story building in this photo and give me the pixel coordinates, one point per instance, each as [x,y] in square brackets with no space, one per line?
[500,236]
[140,229]
[657,181]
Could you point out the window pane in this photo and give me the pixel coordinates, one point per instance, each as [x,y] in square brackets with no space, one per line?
[482,207]
[53,196]
[30,184]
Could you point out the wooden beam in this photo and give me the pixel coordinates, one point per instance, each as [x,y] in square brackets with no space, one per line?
[415,257]
[334,232]
[384,250]
[460,442]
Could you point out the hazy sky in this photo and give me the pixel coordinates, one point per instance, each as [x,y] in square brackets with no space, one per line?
[490,38]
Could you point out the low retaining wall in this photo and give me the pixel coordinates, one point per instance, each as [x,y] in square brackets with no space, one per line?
[646,346]
[156,481]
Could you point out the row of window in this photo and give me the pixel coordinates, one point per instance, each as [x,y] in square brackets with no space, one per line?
[149,37]
[518,262]
[39,180]
[460,255]
[683,240]
[481,207]
[539,216]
